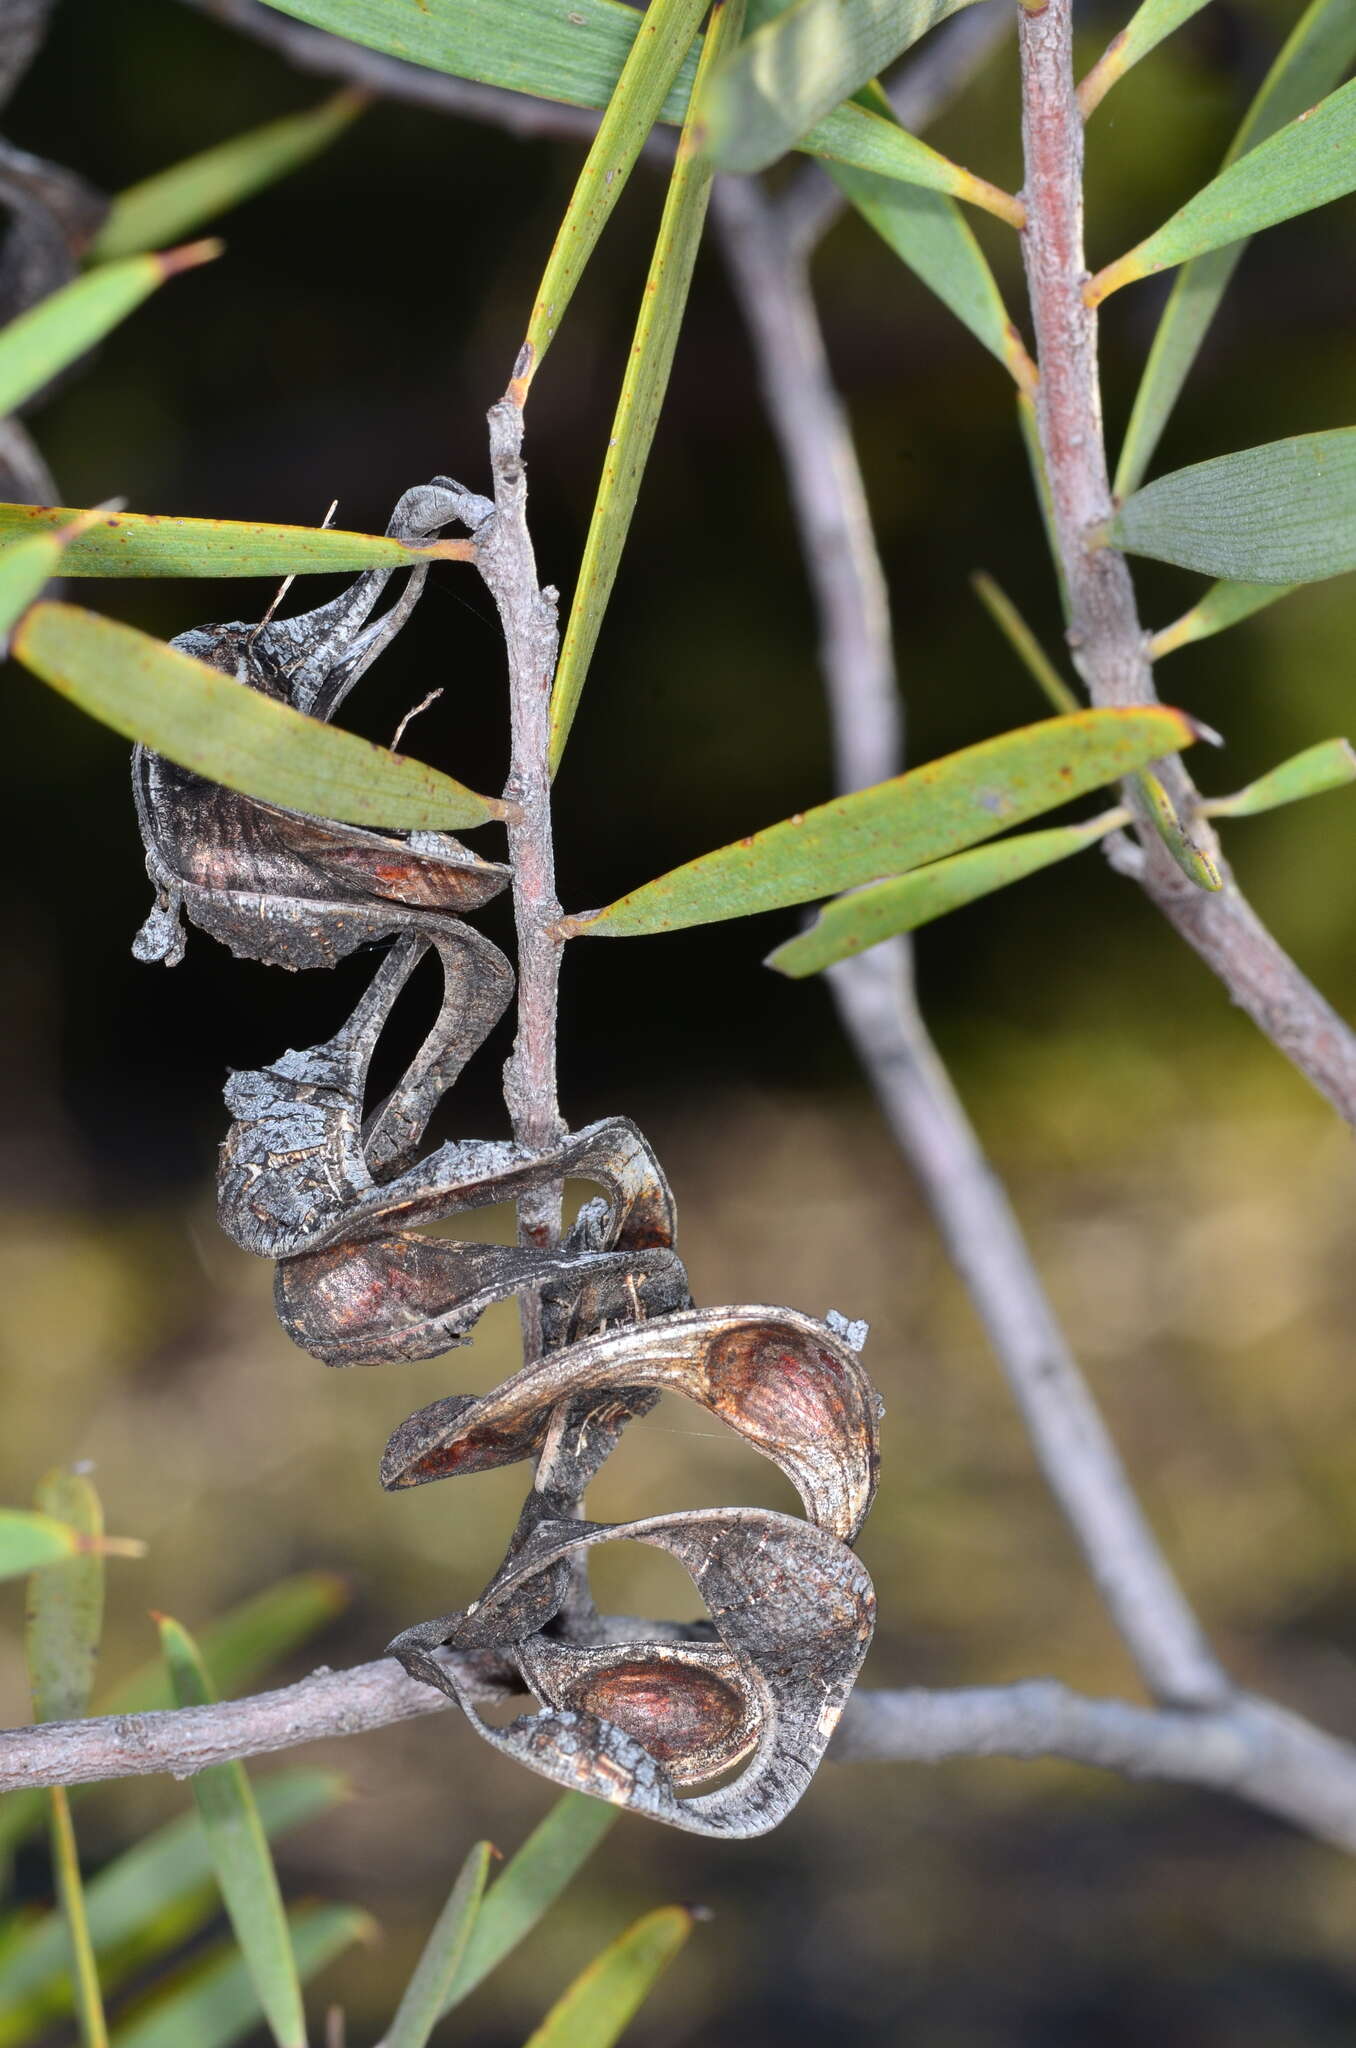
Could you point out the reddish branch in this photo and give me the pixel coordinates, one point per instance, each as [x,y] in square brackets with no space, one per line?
[1110,647]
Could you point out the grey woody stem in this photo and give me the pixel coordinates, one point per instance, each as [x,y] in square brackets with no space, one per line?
[528,616]
[1247,1747]
[1110,647]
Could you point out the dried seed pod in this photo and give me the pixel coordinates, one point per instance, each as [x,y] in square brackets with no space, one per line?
[794,1611]
[637,1712]
[786,1383]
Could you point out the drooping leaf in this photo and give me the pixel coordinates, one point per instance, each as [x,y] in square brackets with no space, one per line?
[1195,860]
[151,544]
[928,231]
[653,61]
[574,54]
[60,328]
[932,811]
[1329,765]
[853,924]
[642,396]
[214,2003]
[1305,164]
[133,1892]
[175,201]
[237,1649]
[604,1998]
[799,66]
[1315,57]
[426,1994]
[208,722]
[89,2004]
[1023,642]
[66,1604]
[529,1885]
[1147,27]
[240,1856]
[1281,513]
[1224,604]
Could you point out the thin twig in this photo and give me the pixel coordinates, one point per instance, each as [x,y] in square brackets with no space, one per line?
[1109,645]
[527,614]
[1249,1748]
[874,992]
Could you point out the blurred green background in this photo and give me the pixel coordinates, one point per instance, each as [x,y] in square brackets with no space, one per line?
[1186,1195]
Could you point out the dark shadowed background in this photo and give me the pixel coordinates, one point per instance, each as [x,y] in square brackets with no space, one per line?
[1188,1198]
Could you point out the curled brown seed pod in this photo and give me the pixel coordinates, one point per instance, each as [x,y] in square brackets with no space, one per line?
[637,1712]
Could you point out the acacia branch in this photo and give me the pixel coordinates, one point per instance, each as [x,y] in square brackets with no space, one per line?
[1249,1748]
[1110,647]
[875,995]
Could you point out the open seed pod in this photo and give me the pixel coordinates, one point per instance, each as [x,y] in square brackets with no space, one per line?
[637,1723]
[338,1196]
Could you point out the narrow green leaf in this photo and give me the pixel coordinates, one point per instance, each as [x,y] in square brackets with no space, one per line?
[60,328]
[853,924]
[237,1649]
[1145,30]
[854,135]
[1281,513]
[1305,164]
[108,543]
[605,1997]
[1315,57]
[240,1856]
[132,1892]
[28,1541]
[426,1993]
[642,396]
[176,201]
[220,728]
[27,565]
[1224,604]
[1329,765]
[934,810]
[574,53]
[667,33]
[66,1604]
[530,1883]
[1194,860]
[552,51]
[214,2003]
[799,66]
[1023,642]
[89,2004]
